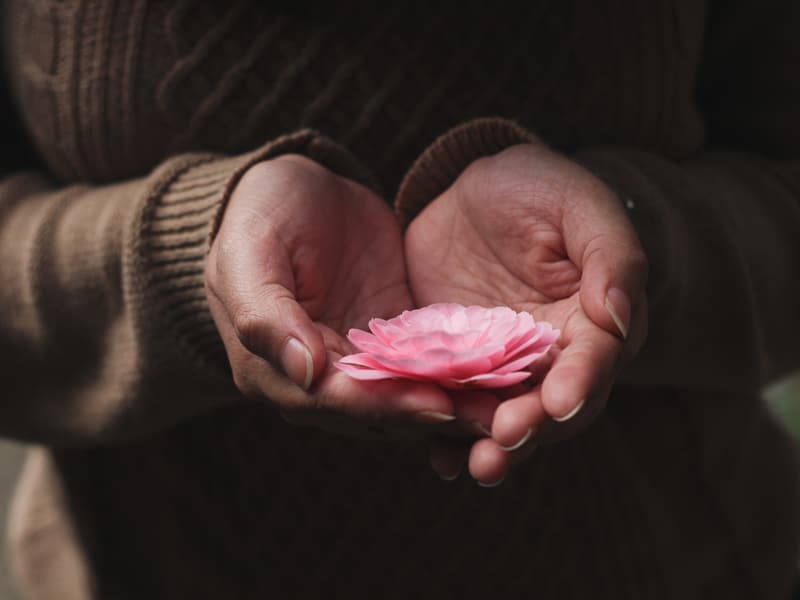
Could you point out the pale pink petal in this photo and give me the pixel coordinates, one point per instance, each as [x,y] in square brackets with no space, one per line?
[367,362]
[542,335]
[431,318]
[488,380]
[521,362]
[411,368]
[453,345]
[364,373]
[386,331]
[500,324]
[523,329]
[438,363]
[364,359]
[418,342]
[446,308]
[462,364]
[458,322]
[366,342]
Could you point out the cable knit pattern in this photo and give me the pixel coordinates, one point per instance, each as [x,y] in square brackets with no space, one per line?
[161,482]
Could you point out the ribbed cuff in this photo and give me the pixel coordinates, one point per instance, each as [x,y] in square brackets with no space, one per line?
[178,222]
[443,161]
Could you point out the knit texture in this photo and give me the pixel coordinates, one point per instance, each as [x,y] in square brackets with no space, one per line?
[159,481]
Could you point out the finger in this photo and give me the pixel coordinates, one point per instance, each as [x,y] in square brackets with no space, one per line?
[582,373]
[253,376]
[516,421]
[488,463]
[448,457]
[475,410]
[395,401]
[255,284]
[524,452]
[554,431]
[602,242]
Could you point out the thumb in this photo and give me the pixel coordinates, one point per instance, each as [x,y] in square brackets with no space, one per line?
[612,285]
[255,283]
[281,332]
[603,244]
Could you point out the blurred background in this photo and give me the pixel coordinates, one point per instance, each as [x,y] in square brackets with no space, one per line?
[784,397]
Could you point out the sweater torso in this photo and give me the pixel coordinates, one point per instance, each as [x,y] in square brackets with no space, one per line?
[111,89]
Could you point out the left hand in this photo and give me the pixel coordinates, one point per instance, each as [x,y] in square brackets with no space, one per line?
[533,230]
[302,255]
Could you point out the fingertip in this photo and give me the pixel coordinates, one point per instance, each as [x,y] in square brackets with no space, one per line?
[476,408]
[303,356]
[566,415]
[563,392]
[618,306]
[297,362]
[421,402]
[608,307]
[613,279]
[488,463]
[520,442]
[447,459]
[516,420]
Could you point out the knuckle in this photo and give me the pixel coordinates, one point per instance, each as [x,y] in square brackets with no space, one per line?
[245,385]
[320,403]
[249,328]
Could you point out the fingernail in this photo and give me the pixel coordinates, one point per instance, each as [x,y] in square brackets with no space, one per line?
[520,443]
[617,304]
[444,477]
[297,363]
[571,413]
[430,416]
[491,485]
[480,428]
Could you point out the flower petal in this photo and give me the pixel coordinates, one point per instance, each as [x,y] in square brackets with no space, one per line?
[543,337]
[366,342]
[520,362]
[363,373]
[488,380]
[451,344]
[386,331]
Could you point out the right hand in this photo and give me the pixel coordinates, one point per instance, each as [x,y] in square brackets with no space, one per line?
[302,255]
[531,229]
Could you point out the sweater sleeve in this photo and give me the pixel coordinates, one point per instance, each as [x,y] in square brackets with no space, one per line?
[105,332]
[721,230]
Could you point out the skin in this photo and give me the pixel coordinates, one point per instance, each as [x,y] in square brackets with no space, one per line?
[303,254]
[532,230]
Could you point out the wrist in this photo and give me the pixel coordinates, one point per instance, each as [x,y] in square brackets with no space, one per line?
[438,167]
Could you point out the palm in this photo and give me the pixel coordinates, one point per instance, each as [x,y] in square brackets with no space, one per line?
[357,271]
[491,255]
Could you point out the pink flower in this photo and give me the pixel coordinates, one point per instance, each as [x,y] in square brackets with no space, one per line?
[453,345]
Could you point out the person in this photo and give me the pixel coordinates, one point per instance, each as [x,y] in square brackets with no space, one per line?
[206,218]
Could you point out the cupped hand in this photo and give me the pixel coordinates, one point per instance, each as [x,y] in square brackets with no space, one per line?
[533,230]
[301,256]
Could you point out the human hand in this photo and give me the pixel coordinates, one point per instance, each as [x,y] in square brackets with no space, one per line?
[532,230]
[302,255]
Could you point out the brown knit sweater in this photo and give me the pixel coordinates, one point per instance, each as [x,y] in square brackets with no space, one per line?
[158,481]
